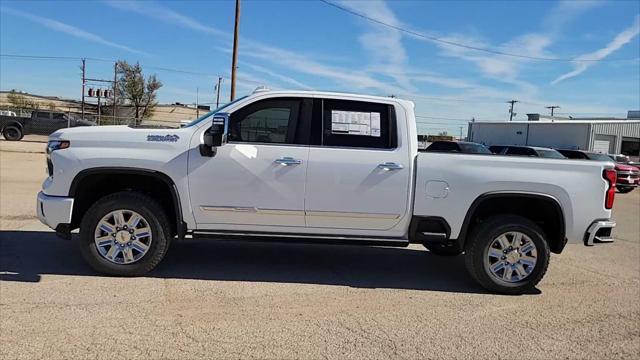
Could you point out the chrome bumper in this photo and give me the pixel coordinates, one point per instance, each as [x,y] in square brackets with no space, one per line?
[54,210]
[599,231]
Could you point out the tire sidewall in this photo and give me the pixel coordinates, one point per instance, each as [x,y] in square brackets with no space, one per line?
[12,128]
[149,211]
[484,240]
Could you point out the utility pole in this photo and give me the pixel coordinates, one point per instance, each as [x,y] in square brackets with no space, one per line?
[83,84]
[99,93]
[512,102]
[461,127]
[552,107]
[218,92]
[115,91]
[197,101]
[234,61]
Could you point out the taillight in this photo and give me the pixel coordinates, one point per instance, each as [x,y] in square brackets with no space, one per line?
[610,175]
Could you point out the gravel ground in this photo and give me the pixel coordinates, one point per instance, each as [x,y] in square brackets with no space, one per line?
[219,299]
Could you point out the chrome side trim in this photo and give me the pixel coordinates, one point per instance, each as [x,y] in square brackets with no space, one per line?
[593,230]
[260,211]
[433,234]
[355,215]
[250,209]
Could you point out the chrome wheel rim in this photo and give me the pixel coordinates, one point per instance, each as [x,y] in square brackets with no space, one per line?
[511,257]
[123,237]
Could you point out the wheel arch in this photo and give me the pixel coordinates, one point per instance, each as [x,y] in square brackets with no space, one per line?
[84,178]
[556,232]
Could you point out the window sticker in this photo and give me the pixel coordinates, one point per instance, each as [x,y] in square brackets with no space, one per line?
[355,123]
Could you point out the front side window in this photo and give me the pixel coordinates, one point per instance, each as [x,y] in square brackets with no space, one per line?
[474,149]
[273,121]
[550,154]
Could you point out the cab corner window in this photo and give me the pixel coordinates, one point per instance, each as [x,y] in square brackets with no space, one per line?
[271,121]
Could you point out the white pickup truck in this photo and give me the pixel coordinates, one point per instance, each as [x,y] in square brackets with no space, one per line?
[306,166]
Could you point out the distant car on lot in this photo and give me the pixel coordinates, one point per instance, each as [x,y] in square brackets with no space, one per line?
[623,159]
[628,177]
[14,128]
[462,147]
[533,151]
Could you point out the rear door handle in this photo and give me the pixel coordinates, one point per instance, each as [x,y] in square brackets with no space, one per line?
[390,166]
[287,161]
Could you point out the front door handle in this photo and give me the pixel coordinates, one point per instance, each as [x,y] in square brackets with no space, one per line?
[287,161]
[390,166]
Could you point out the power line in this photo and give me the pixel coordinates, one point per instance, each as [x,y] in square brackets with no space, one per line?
[452,43]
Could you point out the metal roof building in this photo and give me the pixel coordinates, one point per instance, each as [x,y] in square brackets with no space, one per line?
[605,135]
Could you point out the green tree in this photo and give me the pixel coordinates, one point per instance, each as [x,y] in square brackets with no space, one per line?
[134,90]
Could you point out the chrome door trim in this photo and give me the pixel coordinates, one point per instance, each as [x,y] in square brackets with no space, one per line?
[355,215]
[249,209]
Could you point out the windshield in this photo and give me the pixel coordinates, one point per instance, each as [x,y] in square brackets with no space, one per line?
[205,116]
[475,149]
[599,157]
[550,154]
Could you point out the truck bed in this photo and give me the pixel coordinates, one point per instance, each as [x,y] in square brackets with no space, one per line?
[446,183]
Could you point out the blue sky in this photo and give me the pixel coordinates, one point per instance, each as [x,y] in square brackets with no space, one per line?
[312,45]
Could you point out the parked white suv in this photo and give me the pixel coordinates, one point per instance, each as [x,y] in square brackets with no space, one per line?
[316,166]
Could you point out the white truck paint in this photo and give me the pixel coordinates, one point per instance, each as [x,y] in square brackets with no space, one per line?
[311,191]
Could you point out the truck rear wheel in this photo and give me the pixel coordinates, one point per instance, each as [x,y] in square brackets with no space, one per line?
[507,254]
[125,234]
[12,133]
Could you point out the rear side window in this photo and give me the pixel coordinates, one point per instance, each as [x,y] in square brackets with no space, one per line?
[522,151]
[357,124]
[474,149]
[496,149]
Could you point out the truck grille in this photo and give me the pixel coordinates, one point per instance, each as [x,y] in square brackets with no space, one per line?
[49,167]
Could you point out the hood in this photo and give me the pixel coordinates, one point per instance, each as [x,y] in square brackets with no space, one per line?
[123,136]
[624,167]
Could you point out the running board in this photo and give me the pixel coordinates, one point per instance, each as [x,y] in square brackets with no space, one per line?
[301,238]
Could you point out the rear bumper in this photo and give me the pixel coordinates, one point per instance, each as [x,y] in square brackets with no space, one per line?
[600,231]
[54,211]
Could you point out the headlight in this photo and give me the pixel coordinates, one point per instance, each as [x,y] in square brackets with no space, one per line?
[54,145]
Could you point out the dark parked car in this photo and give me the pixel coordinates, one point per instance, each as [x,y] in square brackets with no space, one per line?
[533,151]
[628,177]
[462,147]
[13,128]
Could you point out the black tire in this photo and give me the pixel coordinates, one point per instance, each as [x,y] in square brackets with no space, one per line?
[12,133]
[440,250]
[478,245]
[153,214]
[625,189]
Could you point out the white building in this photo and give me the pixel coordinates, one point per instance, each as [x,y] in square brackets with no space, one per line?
[606,135]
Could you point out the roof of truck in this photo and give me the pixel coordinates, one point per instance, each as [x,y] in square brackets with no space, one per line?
[354,96]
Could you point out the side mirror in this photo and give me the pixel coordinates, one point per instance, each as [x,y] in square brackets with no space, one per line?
[216,135]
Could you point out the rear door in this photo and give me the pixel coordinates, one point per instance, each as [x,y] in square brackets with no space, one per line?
[359,174]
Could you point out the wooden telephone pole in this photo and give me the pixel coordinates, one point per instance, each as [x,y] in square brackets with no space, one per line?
[552,107]
[512,102]
[234,61]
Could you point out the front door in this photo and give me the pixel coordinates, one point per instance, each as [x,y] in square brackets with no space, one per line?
[258,177]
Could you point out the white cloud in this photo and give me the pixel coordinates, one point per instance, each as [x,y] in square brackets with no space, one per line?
[156,11]
[284,78]
[69,30]
[619,41]
[383,45]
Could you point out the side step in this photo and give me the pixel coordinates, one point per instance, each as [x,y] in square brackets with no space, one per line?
[301,238]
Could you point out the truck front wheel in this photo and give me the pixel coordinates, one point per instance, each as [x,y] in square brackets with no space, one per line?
[124,234]
[507,254]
